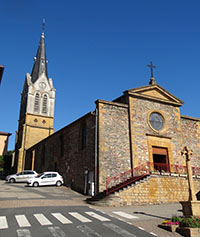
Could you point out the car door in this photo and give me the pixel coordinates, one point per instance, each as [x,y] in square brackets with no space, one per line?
[45,179]
[20,177]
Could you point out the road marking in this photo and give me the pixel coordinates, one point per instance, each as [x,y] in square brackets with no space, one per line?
[3,222]
[57,232]
[61,218]
[140,228]
[152,233]
[119,230]
[88,231]
[125,215]
[23,233]
[22,221]
[98,217]
[79,217]
[42,219]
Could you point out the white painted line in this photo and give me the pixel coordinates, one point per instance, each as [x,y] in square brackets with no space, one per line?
[79,217]
[3,222]
[152,233]
[56,232]
[125,215]
[22,221]
[119,230]
[98,217]
[61,218]
[42,219]
[140,228]
[23,233]
[88,231]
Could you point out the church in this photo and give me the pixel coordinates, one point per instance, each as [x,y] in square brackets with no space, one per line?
[128,149]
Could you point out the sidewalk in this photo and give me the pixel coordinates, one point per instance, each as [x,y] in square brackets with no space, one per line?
[147,217]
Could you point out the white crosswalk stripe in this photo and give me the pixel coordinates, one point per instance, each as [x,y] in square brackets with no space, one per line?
[61,218]
[23,233]
[42,219]
[3,222]
[125,215]
[98,217]
[22,221]
[79,217]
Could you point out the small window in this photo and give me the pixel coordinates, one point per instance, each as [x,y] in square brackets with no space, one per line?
[54,175]
[44,104]
[37,103]
[156,121]
[84,136]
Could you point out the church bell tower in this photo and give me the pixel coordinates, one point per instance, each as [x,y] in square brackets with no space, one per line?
[37,107]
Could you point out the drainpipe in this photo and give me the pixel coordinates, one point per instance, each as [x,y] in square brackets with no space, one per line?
[96,148]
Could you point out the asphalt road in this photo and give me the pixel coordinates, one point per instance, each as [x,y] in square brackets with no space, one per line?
[59,212]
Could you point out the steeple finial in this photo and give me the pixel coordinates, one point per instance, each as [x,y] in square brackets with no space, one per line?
[152,80]
[40,62]
[43,25]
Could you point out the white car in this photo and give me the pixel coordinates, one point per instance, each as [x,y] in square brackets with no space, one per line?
[46,178]
[21,176]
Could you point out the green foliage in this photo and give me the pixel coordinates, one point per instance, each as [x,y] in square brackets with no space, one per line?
[193,222]
[176,219]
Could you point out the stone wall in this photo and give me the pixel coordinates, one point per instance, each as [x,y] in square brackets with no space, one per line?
[155,190]
[114,143]
[141,131]
[62,152]
[191,137]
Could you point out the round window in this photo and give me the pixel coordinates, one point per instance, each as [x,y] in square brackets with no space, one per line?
[156,120]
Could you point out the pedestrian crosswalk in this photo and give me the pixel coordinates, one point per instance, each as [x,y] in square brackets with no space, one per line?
[22,221]
[82,221]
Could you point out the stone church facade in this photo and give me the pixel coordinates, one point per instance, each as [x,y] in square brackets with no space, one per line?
[143,127]
[121,144]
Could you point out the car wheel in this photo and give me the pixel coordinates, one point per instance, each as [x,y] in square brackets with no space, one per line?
[12,180]
[35,184]
[58,183]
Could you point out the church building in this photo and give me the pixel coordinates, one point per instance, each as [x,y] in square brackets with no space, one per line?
[36,109]
[129,147]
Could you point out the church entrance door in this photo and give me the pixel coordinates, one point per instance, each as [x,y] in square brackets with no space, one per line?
[160,158]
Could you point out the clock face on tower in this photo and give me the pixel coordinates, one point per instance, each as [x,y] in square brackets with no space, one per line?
[42,85]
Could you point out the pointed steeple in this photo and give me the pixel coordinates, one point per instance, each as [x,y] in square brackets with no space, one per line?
[40,64]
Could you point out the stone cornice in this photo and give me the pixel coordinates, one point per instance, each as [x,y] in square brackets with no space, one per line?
[190,118]
[111,103]
[145,93]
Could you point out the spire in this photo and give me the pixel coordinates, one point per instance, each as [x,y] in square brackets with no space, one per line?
[152,80]
[40,64]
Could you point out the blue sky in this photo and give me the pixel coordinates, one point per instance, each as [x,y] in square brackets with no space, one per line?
[98,49]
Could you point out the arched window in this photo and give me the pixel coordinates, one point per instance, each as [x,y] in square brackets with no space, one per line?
[37,103]
[44,104]
[84,136]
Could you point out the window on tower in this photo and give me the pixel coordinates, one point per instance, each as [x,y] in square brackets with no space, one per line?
[37,102]
[44,105]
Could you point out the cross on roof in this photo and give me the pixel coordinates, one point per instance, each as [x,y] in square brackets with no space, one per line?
[151,66]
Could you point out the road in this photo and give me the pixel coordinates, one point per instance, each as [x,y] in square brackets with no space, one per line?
[61,212]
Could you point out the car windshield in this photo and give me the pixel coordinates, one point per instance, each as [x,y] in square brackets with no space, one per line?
[39,175]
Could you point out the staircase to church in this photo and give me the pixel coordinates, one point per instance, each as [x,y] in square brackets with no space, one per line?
[145,187]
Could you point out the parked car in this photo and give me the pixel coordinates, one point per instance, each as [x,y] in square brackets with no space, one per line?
[46,178]
[21,176]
